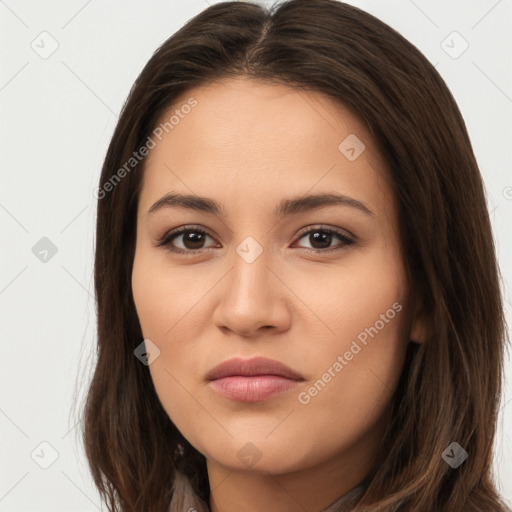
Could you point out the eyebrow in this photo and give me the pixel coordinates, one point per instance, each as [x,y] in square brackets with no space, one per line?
[288,206]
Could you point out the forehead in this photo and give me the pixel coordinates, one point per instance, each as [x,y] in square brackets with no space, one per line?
[261,140]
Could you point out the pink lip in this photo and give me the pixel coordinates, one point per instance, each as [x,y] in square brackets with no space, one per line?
[252,380]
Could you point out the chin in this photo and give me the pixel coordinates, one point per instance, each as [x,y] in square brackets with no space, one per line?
[262,456]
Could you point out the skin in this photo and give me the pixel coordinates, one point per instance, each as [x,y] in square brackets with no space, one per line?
[248,145]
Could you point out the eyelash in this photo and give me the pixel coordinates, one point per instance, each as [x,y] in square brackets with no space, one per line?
[166,240]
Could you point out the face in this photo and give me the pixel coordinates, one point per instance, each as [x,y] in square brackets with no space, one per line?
[318,285]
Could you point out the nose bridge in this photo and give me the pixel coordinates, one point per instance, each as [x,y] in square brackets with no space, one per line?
[250,280]
[252,295]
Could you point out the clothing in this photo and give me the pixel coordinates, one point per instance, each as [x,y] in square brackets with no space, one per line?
[345,502]
[192,504]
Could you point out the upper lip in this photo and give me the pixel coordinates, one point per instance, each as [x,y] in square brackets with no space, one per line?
[252,367]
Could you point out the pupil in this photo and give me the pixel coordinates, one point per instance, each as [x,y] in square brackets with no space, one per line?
[193,240]
[320,237]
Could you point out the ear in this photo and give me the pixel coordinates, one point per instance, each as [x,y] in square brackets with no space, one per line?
[418,329]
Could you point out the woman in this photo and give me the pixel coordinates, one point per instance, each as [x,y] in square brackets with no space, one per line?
[298,296]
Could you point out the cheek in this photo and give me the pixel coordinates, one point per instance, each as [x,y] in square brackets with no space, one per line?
[357,361]
[164,297]
[353,382]
[358,372]
[148,292]
[363,299]
[168,305]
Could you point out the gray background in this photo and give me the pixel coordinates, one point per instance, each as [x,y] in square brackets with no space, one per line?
[58,111]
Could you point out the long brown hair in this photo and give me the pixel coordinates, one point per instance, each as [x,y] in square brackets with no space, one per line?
[450,387]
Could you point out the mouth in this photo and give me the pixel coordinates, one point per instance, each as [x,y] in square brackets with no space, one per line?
[252,380]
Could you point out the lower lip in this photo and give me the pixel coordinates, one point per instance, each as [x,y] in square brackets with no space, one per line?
[252,388]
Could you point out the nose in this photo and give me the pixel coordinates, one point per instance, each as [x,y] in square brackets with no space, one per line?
[252,299]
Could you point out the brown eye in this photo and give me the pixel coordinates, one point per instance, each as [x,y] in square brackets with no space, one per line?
[187,240]
[321,239]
